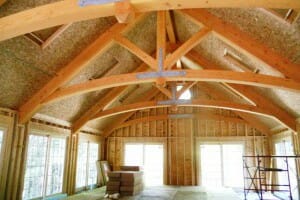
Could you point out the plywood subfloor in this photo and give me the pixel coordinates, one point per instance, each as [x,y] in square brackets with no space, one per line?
[166,193]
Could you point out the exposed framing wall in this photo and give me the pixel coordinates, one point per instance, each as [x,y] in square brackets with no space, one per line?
[181,138]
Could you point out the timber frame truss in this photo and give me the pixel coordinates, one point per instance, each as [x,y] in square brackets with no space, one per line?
[166,67]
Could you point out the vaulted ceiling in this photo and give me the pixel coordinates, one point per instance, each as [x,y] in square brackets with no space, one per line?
[90,73]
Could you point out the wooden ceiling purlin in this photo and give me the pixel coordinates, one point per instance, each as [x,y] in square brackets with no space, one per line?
[245,78]
[68,11]
[249,93]
[81,61]
[243,42]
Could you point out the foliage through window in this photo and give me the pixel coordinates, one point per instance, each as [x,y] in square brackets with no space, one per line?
[86,173]
[44,166]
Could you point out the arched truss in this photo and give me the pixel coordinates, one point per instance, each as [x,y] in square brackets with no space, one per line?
[245,78]
[181,116]
[194,103]
[68,11]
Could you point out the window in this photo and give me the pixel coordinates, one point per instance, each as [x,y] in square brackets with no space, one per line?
[86,173]
[44,166]
[221,165]
[186,95]
[150,158]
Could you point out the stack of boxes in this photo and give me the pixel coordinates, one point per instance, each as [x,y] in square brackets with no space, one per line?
[127,183]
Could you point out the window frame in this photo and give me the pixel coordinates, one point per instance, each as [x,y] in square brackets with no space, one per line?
[49,133]
[85,138]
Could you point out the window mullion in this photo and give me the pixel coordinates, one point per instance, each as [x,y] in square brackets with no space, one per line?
[46,166]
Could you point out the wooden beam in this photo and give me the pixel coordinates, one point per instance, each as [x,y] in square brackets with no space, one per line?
[86,57]
[55,35]
[68,11]
[160,37]
[164,90]
[245,78]
[244,43]
[147,96]
[124,42]
[194,103]
[186,87]
[104,102]
[170,27]
[186,47]
[249,94]
[124,11]
[182,116]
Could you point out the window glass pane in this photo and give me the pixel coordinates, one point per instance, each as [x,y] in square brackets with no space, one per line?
[56,166]
[35,167]
[211,165]
[93,157]
[233,165]
[153,166]
[81,165]
[134,155]
[1,139]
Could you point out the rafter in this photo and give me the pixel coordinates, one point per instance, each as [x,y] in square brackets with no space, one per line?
[249,94]
[147,96]
[124,42]
[244,43]
[190,75]
[182,116]
[68,11]
[194,103]
[86,57]
[186,47]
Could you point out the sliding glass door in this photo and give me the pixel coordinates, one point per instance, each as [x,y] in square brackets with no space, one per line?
[150,158]
[221,165]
